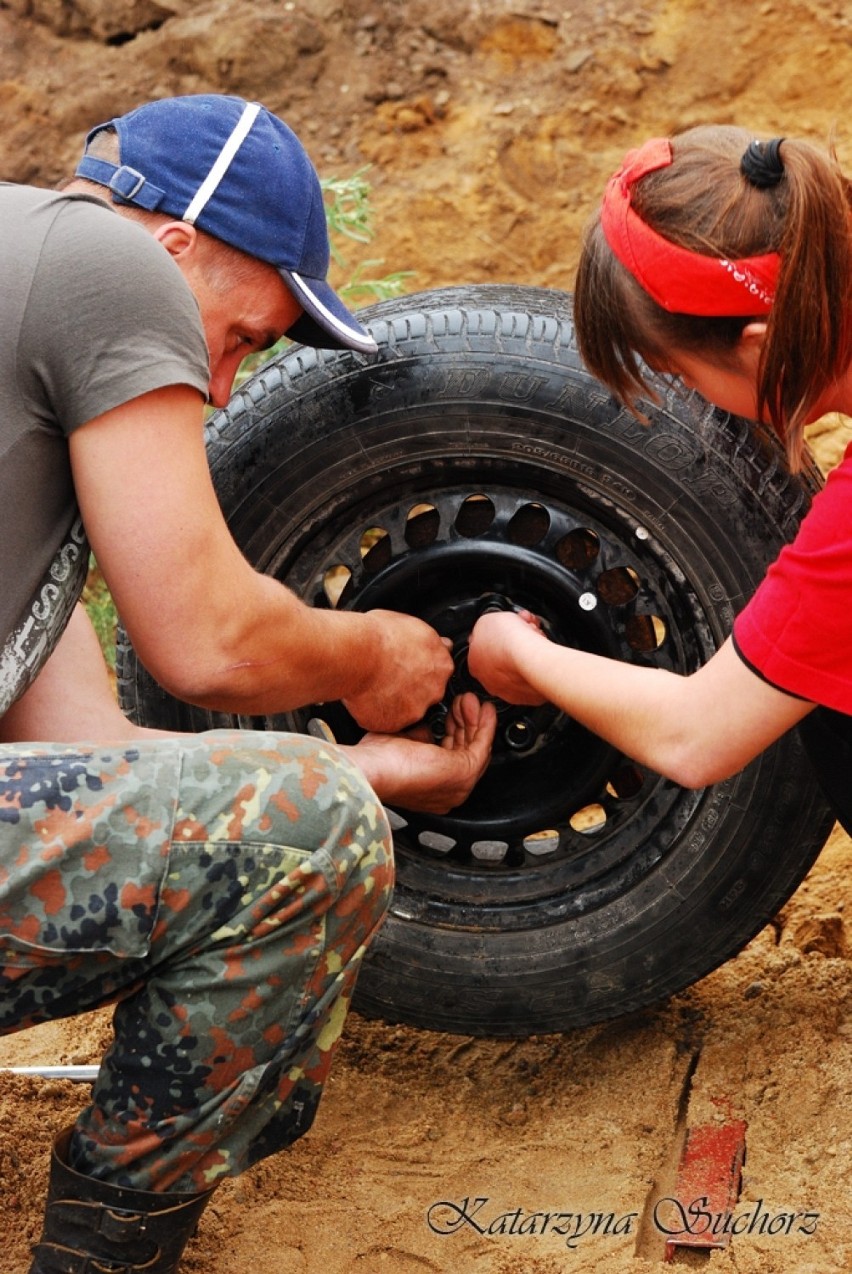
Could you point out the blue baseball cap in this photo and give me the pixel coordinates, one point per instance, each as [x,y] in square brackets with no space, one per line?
[237,172]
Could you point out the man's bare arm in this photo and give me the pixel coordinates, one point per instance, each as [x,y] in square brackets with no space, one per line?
[72,701]
[210,628]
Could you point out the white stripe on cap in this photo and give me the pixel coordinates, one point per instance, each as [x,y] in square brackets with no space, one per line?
[222,162]
[334,323]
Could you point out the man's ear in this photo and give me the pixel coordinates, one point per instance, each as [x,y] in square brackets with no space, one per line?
[179,238]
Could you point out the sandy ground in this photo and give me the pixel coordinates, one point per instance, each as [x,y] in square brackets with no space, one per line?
[589,1126]
[490,128]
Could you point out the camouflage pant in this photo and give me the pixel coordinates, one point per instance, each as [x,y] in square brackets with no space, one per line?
[220,889]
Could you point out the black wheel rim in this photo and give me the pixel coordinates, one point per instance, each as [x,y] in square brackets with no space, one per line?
[561,823]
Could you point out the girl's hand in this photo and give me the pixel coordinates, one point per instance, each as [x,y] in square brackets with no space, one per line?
[497,642]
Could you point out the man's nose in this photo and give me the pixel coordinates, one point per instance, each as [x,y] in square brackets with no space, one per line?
[222,382]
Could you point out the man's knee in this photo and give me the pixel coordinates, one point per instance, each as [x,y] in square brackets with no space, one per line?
[268,792]
[361,854]
[284,789]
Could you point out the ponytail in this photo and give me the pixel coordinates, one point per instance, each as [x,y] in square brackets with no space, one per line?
[808,334]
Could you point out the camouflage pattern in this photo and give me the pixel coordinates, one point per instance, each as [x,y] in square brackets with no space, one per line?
[221,890]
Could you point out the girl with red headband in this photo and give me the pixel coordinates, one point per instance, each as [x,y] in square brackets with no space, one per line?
[728,263]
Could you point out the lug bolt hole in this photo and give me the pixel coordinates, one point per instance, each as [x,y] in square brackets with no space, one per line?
[436,719]
[519,734]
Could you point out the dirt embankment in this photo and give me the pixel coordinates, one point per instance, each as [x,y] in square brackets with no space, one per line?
[489,129]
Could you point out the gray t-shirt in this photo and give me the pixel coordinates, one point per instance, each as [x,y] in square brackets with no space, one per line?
[93,313]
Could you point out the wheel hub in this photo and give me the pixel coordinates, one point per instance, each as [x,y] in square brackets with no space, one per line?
[520,728]
[558,808]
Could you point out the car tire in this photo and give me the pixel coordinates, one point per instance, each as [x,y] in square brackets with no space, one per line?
[474,461]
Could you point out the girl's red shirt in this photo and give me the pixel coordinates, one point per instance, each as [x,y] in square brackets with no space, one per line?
[796,632]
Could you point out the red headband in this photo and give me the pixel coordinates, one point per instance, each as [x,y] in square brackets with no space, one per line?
[681,281]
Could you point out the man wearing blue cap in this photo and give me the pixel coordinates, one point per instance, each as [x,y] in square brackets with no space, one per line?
[219,889]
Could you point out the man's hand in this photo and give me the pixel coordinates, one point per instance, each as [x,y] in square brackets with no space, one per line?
[496,643]
[427,776]
[408,672]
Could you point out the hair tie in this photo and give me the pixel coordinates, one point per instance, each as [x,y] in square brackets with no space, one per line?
[762,164]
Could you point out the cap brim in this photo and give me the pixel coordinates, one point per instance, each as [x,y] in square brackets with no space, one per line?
[326,323]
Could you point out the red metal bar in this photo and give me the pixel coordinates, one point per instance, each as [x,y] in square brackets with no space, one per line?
[709,1181]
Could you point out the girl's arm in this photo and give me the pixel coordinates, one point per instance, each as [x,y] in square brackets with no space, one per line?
[694,729]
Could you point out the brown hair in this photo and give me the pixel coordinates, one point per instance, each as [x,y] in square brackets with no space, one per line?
[704,203]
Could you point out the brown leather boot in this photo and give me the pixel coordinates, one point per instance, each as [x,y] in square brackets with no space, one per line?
[90,1225]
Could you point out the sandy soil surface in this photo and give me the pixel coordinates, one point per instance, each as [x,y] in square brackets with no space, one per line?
[490,128]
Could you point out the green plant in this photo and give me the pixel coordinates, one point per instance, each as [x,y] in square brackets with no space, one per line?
[347,209]
[101,610]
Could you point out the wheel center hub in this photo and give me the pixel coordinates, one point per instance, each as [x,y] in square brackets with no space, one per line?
[520,728]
